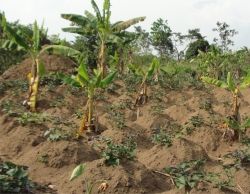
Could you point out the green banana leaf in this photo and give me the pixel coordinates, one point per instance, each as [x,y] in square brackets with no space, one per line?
[152,67]
[41,69]
[230,82]
[247,123]
[83,72]
[245,82]
[98,79]
[78,19]
[15,37]
[164,72]
[61,50]
[132,68]
[9,44]
[36,38]
[76,30]
[233,125]
[68,80]
[83,81]
[106,81]
[215,82]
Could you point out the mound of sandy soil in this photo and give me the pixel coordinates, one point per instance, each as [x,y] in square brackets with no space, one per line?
[183,115]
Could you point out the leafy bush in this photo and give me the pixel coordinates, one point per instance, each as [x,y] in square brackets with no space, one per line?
[112,153]
[193,48]
[13,179]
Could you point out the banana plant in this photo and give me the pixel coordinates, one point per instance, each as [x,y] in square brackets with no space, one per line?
[31,44]
[234,120]
[82,80]
[99,24]
[142,97]
[171,73]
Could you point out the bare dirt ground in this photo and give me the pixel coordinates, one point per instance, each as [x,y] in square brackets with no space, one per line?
[52,162]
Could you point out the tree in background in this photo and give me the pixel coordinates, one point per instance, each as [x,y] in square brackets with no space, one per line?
[184,41]
[225,34]
[194,47]
[161,41]
[144,41]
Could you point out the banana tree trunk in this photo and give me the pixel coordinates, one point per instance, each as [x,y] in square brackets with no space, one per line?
[33,86]
[102,60]
[236,114]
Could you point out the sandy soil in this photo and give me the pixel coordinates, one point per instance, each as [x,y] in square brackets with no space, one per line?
[26,145]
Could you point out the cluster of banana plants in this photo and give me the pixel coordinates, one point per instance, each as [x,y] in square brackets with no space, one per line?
[31,44]
[142,96]
[233,121]
[210,63]
[82,79]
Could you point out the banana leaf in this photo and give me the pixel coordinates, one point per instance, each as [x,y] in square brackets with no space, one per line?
[245,82]
[16,38]
[230,82]
[83,72]
[68,80]
[233,125]
[108,79]
[41,69]
[61,50]
[215,82]
[36,38]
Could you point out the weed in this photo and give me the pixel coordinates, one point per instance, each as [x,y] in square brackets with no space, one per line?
[240,156]
[205,105]
[229,174]
[187,174]
[112,153]
[196,121]
[59,101]
[225,102]
[162,139]
[156,110]
[11,108]
[157,95]
[78,113]
[116,119]
[43,158]
[14,178]
[57,131]
[32,118]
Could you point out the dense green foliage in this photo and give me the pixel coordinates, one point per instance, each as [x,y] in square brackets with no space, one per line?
[193,48]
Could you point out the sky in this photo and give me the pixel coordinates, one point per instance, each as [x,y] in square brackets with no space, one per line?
[180,14]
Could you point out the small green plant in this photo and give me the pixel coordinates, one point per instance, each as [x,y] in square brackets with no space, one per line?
[112,153]
[197,120]
[156,110]
[187,174]
[29,117]
[240,156]
[59,101]
[79,170]
[157,95]
[229,174]
[14,178]
[116,119]
[225,102]
[163,139]
[11,108]
[58,131]
[205,105]
[43,158]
